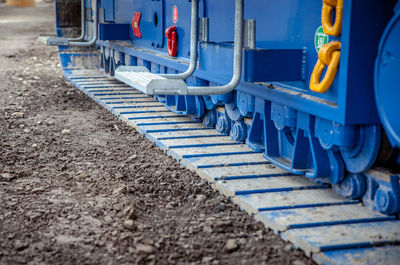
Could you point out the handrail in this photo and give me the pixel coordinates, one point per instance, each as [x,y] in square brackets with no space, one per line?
[95,32]
[194,29]
[237,60]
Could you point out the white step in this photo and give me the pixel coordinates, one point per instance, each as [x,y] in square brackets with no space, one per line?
[53,40]
[140,78]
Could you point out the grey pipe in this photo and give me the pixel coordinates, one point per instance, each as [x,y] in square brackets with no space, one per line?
[237,60]
[95,31]
[193,44]
[83,28]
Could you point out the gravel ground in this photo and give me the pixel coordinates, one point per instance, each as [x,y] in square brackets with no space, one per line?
[78,186]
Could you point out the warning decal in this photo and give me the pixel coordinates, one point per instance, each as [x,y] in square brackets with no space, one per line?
[175,14]
[320,38]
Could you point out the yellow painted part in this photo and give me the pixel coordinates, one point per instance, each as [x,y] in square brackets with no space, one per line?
[326,17]
[22,3]
[331,3]
[326,51]
[323,86]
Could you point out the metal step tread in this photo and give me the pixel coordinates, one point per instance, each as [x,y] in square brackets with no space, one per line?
[329,228]
[53,40]
[141,79]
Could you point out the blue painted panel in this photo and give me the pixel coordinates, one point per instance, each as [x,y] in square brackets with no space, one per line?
[124,10]
[282,65]
[114,31]
[108,6]
[216,58]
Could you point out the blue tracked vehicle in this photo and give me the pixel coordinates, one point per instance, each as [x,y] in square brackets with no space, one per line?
[313,85]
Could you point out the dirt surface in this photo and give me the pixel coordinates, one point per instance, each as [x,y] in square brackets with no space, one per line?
[77,186]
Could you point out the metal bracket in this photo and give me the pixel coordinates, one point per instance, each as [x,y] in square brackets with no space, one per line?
[204,29]
[250,33]
[102,16]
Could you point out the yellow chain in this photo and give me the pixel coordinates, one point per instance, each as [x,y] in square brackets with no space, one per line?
[329,54]
[326,17]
